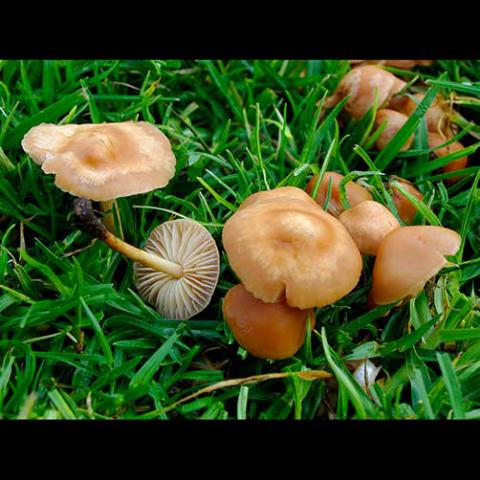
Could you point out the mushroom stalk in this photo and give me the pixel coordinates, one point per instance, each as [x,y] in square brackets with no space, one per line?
[110,208]
[89,223]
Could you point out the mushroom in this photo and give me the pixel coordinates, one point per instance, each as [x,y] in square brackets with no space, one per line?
[403,64]
[407,258]
[395,121]
[362,83]
[368,223]
[290,248]
[405,208]
[266,330]
[103,161]
[366,374]
[354,192]
[177,271]
[434,140]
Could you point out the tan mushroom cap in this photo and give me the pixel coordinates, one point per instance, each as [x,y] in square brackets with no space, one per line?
[275,194]
[266,330]
[407,258]
[368,223]
[434,140]
[361,83]
[102,161]
[354,192]
[395,121]
[190,245]
[291,248]
[406,209]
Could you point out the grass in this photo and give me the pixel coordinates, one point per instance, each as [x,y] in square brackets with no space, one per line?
[76,340]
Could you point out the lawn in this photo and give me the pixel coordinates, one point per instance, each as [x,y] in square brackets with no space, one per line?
[78,342]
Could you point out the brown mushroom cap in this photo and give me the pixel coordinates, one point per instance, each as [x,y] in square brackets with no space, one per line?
[395,121]
[275,194]
[361,83]
[266,330]
[291,248]
[434,140]
[406,209]
[190,245]
[355,193]
[407,258]
[102,161]
[368,223]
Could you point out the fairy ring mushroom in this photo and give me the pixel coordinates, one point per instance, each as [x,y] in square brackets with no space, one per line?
[266,330]
[434,141]
[368,223]
[405,208]
[407,258]
[177,271]
[104,161]
[394,122]
[290,248]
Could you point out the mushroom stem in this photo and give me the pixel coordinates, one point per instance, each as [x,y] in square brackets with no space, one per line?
[110,208]
[87,221]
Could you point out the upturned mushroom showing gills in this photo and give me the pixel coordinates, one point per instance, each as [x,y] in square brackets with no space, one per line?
[394,122]
[407,258]
[368,223]
[405,208]
[103,161]
[363,83]
[354,192]
[290,248]
[266,330]
[177,271]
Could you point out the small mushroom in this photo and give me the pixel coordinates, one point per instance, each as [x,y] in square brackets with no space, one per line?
[362,83]
[434,140]
[407,258]
[406,209]
[290,248]
[366,374]
[103,161]
[266,330]
[395,121]
[368,223]
[403,64]
[177,271]
[354,192]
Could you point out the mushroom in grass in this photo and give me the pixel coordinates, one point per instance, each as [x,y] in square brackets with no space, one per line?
[394,122]
[406,209]
[354,192]
[266,330]
[177,271]
[434,140]
[363,83]
[368,223]
[103,161]
[290,248]
[407,258]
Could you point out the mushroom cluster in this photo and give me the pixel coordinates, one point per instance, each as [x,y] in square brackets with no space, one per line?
[288,253]
[369,84]
[179,268]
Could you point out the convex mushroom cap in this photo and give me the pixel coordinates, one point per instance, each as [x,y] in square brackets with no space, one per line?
[266,330]
[405,208]
[354,192]
[102,161]
[407,258]
[434,140]
[368,223]
[190,245]
[362,83]
[394,122]
[290,248]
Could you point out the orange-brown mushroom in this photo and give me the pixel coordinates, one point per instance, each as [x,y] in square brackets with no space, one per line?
[434,140]
[290,248]
[406,209]
[368,223]
[403,64]
[103,161]
[266,330]
[395,121]
[407,258]
[362,83]
[354,192]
